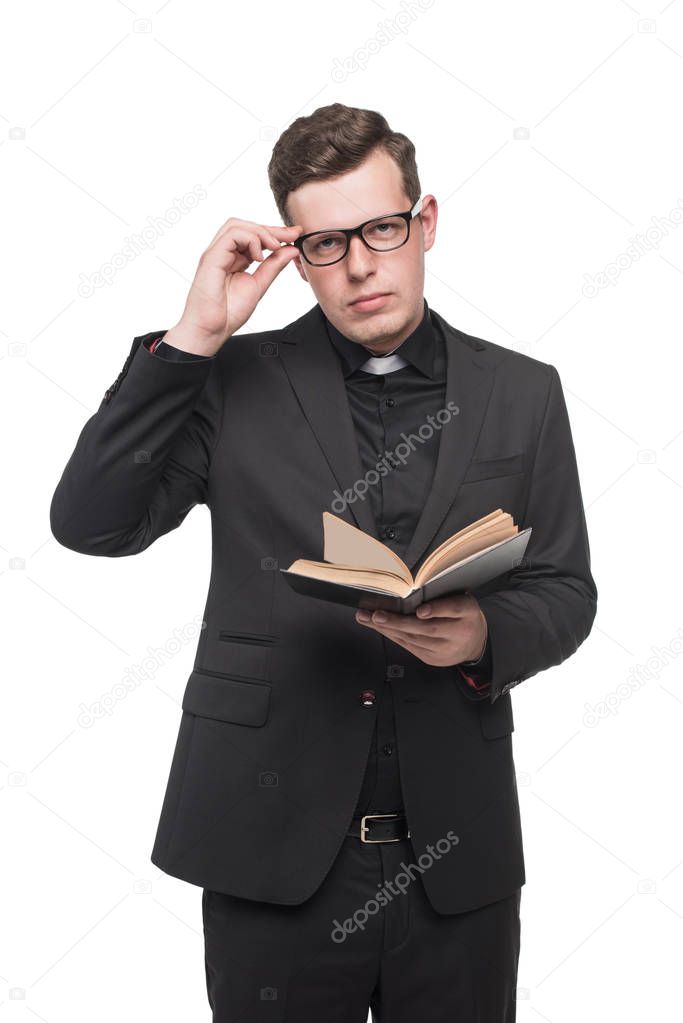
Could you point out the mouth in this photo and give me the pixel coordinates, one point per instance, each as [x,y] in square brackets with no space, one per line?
[373,301]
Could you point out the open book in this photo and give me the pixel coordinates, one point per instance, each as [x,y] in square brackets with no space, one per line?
[360,571]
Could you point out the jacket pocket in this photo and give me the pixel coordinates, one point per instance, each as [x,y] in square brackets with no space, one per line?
[496,718]
[257,638]
[226,698]
[494,468]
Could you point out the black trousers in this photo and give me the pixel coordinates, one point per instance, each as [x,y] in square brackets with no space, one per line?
[342,953]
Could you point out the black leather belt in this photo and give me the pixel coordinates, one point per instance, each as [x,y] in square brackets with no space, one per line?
[379,827]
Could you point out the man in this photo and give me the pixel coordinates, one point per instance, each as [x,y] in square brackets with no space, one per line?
[343,786]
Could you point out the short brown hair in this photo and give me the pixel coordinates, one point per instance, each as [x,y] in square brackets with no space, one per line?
[331,141]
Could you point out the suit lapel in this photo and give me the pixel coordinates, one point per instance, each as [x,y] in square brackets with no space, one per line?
[315,373]
[316,376]
[468,386]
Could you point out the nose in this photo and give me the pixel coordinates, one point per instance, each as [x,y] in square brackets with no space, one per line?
[360,260]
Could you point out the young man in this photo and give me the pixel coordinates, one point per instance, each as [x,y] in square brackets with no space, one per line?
[342,786]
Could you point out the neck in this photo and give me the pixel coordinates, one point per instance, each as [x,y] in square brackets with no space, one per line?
[381,355]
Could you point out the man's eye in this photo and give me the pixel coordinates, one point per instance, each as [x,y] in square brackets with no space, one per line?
[327,243]
[384,228]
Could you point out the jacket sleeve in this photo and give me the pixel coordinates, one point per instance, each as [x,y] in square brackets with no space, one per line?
[547,607]
[165,351]
[141,462]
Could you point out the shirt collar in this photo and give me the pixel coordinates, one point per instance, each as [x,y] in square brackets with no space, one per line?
[419,348]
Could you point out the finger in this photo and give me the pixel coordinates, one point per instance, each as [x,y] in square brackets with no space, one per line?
[230,222]
[454,606]
[266,273]
[224,228]
[285,233]
[410,623]
[427,642]
[275,238]
[410,626]
[441,635]
[241,241]
[271,236]
[390,618]
[241,262]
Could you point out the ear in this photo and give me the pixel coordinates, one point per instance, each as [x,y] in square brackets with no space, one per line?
[298,263]
[428,217]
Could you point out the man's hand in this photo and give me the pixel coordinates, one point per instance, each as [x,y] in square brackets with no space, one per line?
[442,632]
[224,294]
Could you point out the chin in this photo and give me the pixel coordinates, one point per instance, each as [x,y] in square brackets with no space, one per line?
[382,325]
[367,333]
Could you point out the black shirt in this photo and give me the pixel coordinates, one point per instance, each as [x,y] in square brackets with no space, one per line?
[388,411]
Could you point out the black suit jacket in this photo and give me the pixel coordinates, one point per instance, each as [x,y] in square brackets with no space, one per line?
[274,733]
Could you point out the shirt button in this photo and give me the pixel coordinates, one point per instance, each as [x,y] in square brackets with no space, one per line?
[389,402]
[390,533]
[367,697]
[387,750]
[394,671]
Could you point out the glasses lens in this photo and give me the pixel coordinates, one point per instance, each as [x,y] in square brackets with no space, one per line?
[325,248]
[386,234]
[380,235]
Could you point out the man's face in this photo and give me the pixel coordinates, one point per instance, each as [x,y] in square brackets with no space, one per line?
[371,190]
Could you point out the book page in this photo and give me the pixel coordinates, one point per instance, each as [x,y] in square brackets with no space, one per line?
[350,575]
[479,568]
[346,545]
[487,530]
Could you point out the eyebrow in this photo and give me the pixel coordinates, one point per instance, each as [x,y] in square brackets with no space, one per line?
[377,217]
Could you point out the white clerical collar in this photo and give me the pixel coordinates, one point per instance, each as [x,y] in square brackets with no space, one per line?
[384,363]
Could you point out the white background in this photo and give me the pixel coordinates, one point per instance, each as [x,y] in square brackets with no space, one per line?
[550,135]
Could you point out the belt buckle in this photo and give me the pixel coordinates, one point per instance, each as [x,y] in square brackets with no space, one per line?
[373,817]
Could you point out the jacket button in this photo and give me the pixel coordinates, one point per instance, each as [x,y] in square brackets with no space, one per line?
[367,697]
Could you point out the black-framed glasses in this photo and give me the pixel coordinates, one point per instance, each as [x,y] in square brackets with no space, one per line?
[381,234]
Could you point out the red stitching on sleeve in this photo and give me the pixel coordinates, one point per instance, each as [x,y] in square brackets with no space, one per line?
[471,682]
